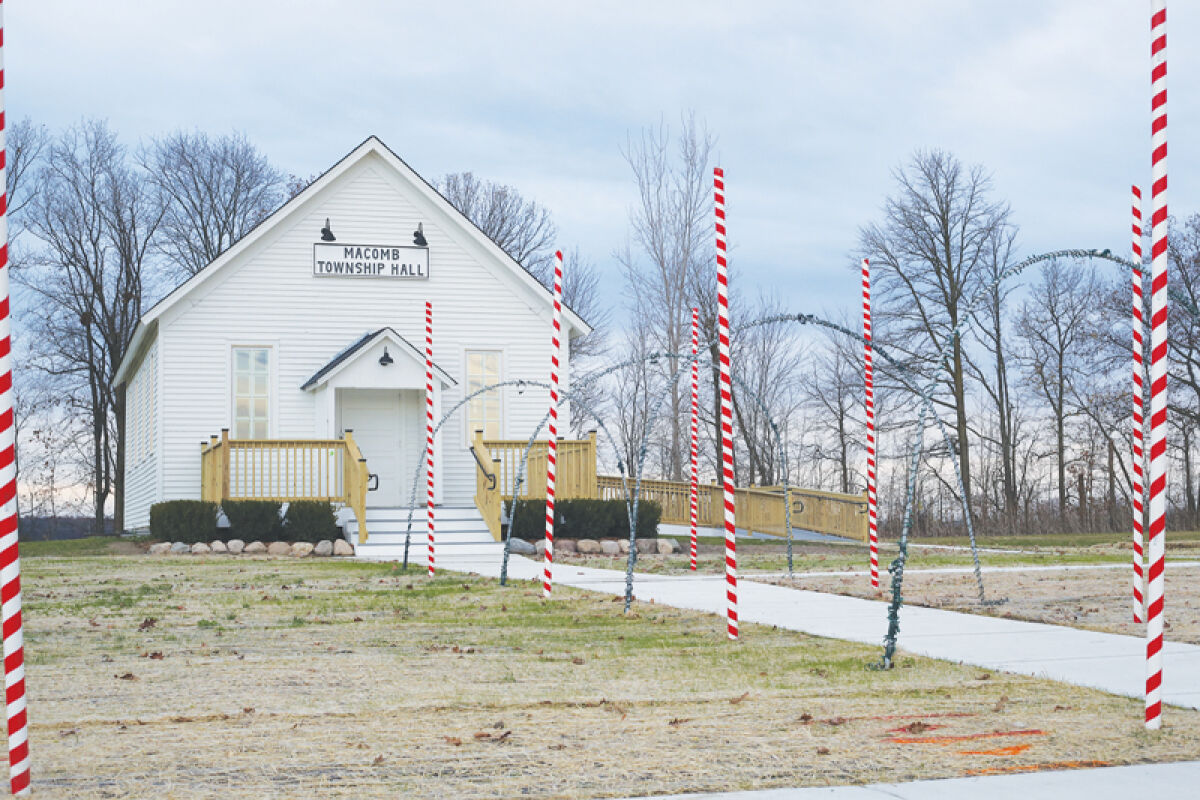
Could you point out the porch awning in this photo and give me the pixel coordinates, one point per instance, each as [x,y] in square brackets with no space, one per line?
[358,349]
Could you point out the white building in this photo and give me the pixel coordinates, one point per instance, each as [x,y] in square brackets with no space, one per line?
[313,323]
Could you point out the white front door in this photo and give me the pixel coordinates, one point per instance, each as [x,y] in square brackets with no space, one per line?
[377,417]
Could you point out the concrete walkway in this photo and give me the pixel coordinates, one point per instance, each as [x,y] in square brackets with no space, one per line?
[1166,781]
[1105,661]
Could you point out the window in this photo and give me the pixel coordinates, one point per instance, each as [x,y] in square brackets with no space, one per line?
[483,411]
[251,392]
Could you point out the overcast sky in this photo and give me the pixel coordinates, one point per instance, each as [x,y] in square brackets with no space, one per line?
[813,104]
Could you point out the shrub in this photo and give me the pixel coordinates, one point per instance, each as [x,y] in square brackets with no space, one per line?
[310,521]
[585,519]
[253,519]
[187,521]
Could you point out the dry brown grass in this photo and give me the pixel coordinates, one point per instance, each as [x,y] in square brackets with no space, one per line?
[287,678]
[1092,599]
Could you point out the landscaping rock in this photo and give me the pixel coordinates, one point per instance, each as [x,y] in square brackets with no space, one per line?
[279,549]
[217,546]
[343,548]
[589,547]
[610,547]
[624,545]
[255,547]
[180,547]
[647,546]
[521,547]
[540,544]
[323,548]
[667,546]
[160,548]
[567,546]
[301,549]
[200,548]
[235,546]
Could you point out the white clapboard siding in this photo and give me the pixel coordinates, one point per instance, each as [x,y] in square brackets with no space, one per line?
[141,443]
[270,298]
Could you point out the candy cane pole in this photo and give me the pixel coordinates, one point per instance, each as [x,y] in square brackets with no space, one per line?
[429,427]
[552,428]
[869,380]
[10,564]
[694,489]
[1158,364]
[1139,510]
[726,387]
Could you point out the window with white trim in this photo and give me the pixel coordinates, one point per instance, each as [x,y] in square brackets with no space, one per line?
[251,392]
[483,411]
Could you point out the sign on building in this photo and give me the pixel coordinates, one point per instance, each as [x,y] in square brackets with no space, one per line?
[334,259]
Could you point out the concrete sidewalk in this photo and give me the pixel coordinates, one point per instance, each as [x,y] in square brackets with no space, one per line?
[1166,781]
[1104,661]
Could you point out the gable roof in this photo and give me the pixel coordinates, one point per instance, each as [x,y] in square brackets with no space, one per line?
[371,145]
[347,357]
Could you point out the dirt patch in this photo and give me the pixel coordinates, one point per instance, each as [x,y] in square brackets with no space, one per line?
[306,678]
[1095,599]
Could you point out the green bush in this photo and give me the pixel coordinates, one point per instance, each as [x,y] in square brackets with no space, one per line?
[253,519]
[585,519]
[310,521]
[187,521]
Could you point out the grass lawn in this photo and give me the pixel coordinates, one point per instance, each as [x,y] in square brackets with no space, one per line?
[188,677]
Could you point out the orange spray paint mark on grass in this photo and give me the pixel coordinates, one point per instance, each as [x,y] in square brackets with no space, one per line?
[964,738]
[1016,749]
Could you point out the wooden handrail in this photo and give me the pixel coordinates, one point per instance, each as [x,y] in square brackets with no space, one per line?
[283,470]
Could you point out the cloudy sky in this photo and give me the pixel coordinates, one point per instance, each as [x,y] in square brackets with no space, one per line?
[813,104]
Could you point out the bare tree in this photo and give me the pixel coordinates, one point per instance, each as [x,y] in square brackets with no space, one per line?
[930,251]
[95,218]
[214,190]
[991,329]
[1059,328]
[522,228]
[671,228]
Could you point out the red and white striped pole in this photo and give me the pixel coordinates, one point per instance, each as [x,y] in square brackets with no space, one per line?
[869,381]
[552,430]
[1139,511]
[10,564]
[694,488]
[1158,364]
[429,427]
[726,389]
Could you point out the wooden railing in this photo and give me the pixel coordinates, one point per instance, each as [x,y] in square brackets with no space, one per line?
[282,470]
[757,509]
[488,497]
[575,461]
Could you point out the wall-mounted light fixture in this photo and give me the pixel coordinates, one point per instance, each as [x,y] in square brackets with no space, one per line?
[385,359]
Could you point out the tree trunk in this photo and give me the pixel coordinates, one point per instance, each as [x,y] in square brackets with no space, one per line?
[119,413]
[964,450]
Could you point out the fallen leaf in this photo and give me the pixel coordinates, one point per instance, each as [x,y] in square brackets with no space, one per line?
[482,735]
[378,760]
[835,721]
[806,718]
[454,740]
[503,736]
[71,732]
[1001,703]
[679,721]
[128,676]
[738,699]
[576,660]
[358,619]
[248,710]
[147,624]
[822,751]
